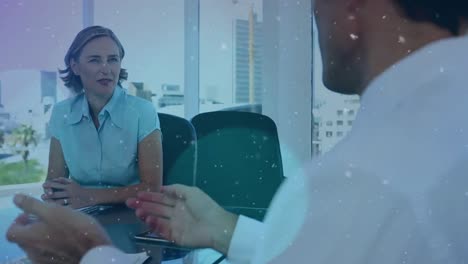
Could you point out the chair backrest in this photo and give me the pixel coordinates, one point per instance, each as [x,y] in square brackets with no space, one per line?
[239,160]
[179,150]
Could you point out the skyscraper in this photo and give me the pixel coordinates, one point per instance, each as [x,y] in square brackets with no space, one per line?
[248,60]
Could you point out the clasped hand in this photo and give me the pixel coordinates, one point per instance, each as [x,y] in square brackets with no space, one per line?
[64,191]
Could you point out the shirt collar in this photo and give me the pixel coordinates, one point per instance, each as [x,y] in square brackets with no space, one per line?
[114,107]
[80,108]
[389,90]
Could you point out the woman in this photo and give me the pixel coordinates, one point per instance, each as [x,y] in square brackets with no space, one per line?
[106,144]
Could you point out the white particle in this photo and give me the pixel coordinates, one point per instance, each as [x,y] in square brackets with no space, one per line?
[384,17]
[401,39]
[351,17]
[385,182]
[442,70]
[466,193]
[223,46]
[348,174]
[121,141]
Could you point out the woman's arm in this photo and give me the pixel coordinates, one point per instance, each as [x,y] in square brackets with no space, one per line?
[57,166]
[150,165]
[150,169]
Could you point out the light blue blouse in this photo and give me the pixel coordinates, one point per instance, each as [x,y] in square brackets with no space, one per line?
[104,157]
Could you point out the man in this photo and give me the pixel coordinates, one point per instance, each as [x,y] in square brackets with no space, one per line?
[394,190]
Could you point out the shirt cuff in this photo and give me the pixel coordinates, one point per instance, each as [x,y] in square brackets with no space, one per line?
[105,254]
[247,235]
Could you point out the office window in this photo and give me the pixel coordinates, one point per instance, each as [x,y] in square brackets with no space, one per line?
[339,112]
[35,37]
[339,134]
[152,33]
[329,123]
[231,55]
[339,122]
[351,112]
[350,122]
[329,134]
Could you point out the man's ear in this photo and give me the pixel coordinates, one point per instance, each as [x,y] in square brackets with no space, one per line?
[74,67]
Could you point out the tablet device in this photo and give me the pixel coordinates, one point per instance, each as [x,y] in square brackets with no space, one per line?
[149,236]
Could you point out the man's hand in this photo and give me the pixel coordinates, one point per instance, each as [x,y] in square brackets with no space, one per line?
[187,216]
[57,235]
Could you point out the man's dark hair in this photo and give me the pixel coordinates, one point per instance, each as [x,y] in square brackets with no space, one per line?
[444,13]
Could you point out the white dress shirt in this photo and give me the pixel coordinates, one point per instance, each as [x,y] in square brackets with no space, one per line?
[395,190]
[104,255]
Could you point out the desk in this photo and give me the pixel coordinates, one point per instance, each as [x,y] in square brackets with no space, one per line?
[120,223]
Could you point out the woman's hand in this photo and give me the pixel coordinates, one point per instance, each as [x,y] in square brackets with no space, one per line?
[64,191]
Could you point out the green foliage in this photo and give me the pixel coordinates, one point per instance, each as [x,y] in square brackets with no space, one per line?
[2,138]
[18,172]
[23,138]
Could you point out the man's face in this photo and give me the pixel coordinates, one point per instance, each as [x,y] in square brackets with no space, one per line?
[340,45]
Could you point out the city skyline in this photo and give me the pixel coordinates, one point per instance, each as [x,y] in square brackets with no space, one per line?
[149,58]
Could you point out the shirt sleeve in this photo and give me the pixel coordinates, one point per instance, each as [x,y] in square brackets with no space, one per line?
[105,254]
[348,219]
[247,234]
[148,122]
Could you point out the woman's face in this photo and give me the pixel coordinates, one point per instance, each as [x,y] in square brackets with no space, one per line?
[98,66]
